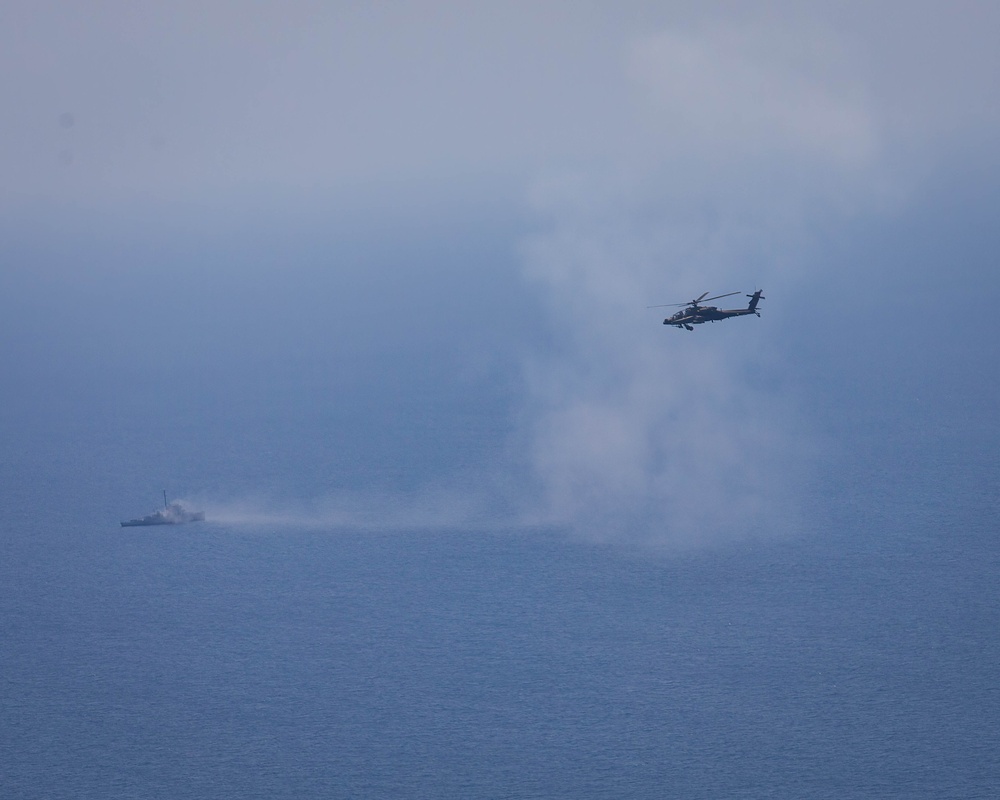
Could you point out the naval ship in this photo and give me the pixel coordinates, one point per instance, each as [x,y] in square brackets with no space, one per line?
[173,514]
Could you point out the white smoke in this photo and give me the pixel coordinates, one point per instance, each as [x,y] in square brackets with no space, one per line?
[657,434]
[434,508]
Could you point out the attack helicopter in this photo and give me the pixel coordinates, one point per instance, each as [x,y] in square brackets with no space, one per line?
[695,313]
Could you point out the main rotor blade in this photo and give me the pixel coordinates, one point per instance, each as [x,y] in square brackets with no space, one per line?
[694,302]
[717,296]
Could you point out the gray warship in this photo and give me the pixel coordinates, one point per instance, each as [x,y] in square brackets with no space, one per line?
[172,514]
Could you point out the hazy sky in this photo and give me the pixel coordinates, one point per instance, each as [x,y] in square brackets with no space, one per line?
[176,100]
[612,155]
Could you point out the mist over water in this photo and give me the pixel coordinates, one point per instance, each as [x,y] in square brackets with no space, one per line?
[418,300]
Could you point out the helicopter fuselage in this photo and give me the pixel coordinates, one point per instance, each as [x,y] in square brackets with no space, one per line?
[696,314]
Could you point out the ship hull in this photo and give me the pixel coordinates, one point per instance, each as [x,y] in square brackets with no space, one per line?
[161,519]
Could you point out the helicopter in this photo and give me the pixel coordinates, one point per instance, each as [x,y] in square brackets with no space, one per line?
[695,313]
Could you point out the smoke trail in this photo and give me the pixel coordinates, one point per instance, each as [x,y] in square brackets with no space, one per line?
[430,508]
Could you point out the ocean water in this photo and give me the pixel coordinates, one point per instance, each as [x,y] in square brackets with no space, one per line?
[857,658]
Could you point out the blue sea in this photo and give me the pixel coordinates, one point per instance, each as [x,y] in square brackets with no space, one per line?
[855,656]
